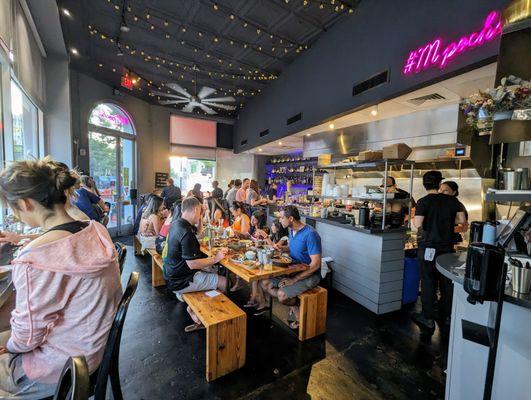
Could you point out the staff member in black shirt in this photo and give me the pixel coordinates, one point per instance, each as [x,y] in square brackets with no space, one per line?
[186,269]
[435,217]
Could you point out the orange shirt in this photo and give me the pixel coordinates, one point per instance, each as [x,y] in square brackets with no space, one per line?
[237,226]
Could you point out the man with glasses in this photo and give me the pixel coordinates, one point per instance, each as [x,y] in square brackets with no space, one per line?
[304,248]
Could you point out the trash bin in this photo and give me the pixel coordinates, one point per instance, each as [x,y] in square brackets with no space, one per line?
[410,288]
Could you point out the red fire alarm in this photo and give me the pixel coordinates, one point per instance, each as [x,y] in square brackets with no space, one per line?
[127,82]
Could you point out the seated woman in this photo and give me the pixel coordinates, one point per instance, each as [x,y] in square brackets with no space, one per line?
[169,206]
[242,223]
[86,200]
[278,236]
[67,282]
[218,212]
[151,222]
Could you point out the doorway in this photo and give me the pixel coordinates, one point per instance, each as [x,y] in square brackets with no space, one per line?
[112,163]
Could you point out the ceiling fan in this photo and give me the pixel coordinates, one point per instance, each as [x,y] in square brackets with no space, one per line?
[200,100]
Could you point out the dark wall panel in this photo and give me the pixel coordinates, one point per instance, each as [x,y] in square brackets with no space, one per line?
[224,135]
[377,37]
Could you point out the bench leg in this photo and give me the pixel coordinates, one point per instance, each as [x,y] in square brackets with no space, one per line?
[225,347]
[137,246]
[312,317]
[157,278]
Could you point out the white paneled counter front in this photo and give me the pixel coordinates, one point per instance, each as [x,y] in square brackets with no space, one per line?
[368,266]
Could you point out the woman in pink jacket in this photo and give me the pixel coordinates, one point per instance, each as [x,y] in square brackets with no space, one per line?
[67,283]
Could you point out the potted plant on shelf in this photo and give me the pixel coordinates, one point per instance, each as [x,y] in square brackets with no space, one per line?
[510,100]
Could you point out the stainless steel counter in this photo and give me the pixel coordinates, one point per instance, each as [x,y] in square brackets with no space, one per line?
[450,265]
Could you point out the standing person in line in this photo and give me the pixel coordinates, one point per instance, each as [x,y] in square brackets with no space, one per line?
[252,197]
[216,191]
[241,194]
[231,195]
[272,191]
[230,186]
[67,282]
[197,193]
[185,268]
[435,216]
[171,192]
[451,188]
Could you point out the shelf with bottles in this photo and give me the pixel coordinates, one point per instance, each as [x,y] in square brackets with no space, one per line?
[295,179]
[301,169]
[291,159]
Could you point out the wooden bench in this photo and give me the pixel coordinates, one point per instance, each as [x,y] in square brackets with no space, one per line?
[312,316]
[157,277]
[226,327]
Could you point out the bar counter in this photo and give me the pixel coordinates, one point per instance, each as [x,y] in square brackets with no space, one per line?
[368,264]
[467,360]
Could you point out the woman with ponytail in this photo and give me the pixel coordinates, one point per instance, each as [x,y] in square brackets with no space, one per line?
[67,282]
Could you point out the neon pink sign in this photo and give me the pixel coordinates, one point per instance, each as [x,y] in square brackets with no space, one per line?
[437,54]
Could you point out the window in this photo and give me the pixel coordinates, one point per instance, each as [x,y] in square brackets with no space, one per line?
[112,117]
[186,172]
[25,125]
[112,162]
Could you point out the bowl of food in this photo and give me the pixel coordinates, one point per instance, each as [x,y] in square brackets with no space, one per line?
[250,255]
[282,260]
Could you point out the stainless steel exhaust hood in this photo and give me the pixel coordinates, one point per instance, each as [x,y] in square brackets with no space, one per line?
[430,133]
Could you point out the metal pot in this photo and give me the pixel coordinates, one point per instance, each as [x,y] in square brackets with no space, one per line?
[522,178]
[507,179]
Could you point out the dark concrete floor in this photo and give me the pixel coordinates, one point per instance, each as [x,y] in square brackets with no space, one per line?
[362,356]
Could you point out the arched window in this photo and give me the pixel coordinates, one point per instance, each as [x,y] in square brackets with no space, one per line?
[112,158]
[110,116]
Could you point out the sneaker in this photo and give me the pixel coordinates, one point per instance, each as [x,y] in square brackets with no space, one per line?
[423,322]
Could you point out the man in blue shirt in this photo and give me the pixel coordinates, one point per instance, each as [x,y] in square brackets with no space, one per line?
[304,248]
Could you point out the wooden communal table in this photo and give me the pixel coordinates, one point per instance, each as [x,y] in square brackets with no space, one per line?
[256,274]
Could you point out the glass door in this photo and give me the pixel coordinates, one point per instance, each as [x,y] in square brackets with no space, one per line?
[113,172]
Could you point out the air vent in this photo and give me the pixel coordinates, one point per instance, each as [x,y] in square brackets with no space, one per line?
[418,101]
[243,142]
[293,119]
[371,83]
[264,133]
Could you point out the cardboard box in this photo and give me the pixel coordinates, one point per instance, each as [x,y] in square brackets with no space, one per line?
[324,159]
[370,155]
[398,151]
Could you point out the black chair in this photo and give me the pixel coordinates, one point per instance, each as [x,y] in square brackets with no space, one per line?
[74,383]
[122,253]
[109,364]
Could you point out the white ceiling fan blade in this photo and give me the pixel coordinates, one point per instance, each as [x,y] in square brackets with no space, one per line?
[223,106]
[205,92]
[206,109]
[179,89]
[220,99]
[171,102]
[171,96]
[188,108]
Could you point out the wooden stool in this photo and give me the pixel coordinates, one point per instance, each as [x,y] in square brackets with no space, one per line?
[226,327]
[157,277]
[312,317]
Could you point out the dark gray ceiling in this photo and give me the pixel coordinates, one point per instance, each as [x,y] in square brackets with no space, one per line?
[233,46]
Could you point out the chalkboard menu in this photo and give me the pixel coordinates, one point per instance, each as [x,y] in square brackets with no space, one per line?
[160,179]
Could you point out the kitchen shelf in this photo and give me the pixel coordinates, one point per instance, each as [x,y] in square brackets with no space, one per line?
[293,162]
[365,164]
[508,195]
[375,199]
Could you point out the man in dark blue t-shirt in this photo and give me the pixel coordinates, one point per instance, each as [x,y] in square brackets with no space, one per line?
[304,248]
